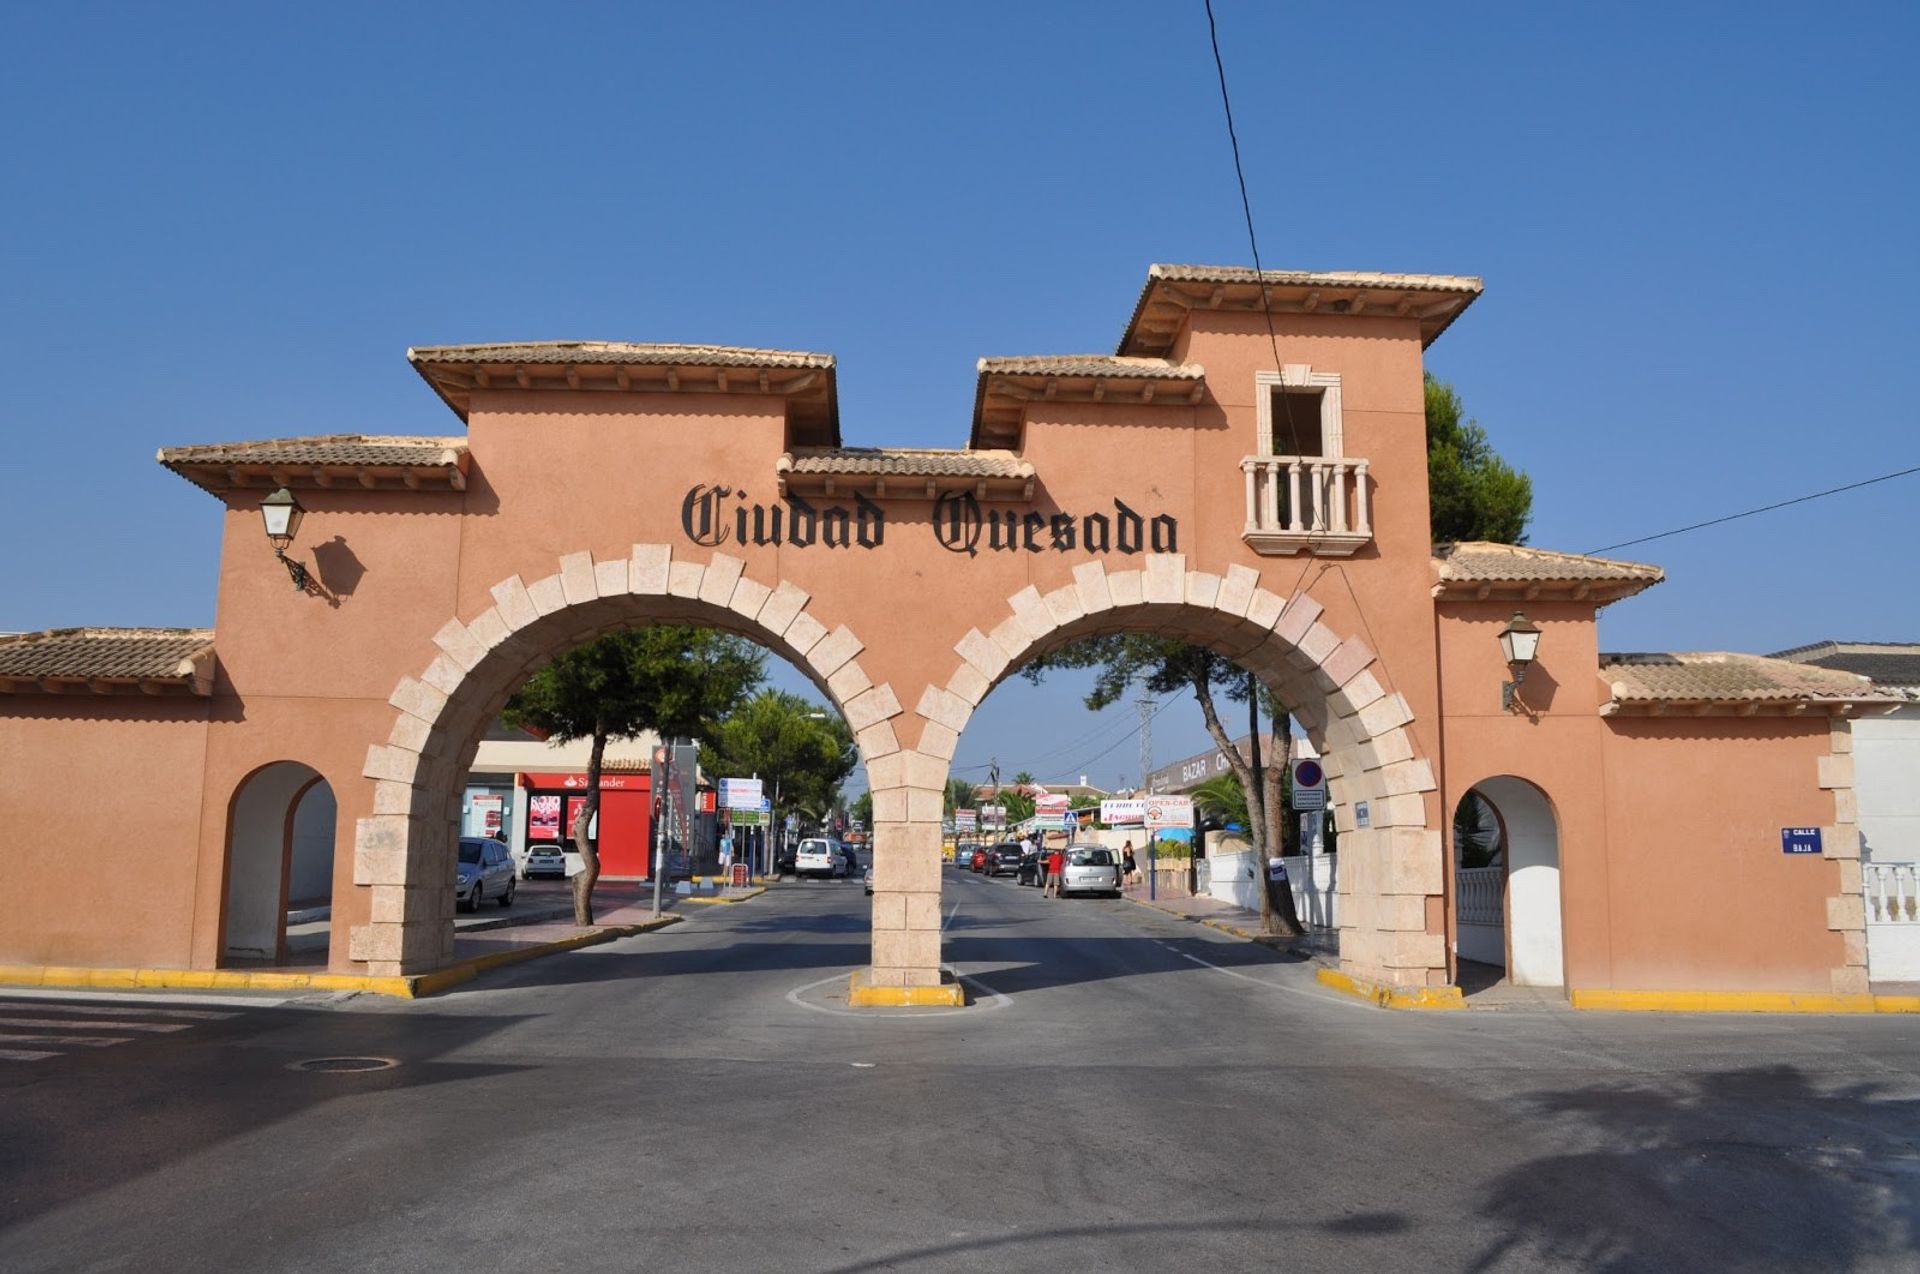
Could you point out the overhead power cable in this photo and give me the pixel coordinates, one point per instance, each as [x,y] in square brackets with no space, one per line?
[1765,508]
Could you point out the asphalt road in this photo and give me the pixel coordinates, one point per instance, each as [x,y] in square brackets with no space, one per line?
[1128,1091]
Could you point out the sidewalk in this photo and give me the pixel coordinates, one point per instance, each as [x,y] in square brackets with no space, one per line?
[1238,921]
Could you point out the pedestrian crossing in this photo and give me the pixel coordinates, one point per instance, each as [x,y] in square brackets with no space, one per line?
[40,1030]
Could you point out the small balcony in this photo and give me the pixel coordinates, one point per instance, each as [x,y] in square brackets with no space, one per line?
[1316,503]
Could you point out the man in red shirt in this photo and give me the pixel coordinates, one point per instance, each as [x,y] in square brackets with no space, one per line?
[1056,863]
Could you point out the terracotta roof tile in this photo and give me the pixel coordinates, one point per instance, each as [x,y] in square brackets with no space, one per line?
[1171,291]
[1511,563]
[1318,278]
[323,449]
[1721,677]
[555,353]
[1105,365]
[109,654]
[905,462]
[1885,663]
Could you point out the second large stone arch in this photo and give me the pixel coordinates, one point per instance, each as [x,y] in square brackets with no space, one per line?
[1383,790]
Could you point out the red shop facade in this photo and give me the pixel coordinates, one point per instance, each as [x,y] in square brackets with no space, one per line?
[626,816]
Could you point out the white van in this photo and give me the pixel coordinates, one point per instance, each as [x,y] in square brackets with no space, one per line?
[818,856]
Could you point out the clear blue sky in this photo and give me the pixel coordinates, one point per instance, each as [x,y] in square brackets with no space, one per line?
[1696,224]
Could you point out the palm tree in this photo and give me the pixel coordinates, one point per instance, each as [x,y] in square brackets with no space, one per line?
[1222,800]
[1023,779]
[960,795]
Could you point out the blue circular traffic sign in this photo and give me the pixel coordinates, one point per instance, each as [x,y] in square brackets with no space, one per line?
[1308,773]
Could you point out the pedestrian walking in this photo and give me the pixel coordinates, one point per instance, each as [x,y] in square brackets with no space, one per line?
[1129,868]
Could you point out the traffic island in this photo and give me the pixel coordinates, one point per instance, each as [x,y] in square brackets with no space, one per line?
[861,993]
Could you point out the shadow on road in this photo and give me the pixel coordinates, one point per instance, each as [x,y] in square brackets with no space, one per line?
[187,1096]
[1743,1169]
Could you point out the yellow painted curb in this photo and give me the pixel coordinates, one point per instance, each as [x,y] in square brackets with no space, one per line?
[405,986]
[1741,1002]
[861,995]
[736,898]
[1392,997]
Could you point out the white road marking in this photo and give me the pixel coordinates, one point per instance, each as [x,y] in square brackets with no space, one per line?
[24,1055]
[10,1000]
[101,1010]
[950,915]
[80,1041]
[69,1023]
[998,1001]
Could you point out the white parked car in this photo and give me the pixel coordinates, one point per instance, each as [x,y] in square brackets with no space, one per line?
[818,856]
[1090,869]
[545,860]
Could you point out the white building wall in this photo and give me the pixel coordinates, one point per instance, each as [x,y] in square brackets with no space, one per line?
[1886,758]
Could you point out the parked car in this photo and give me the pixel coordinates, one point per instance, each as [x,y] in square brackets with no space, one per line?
[1033,868]
[963,853]
[977,861]
[1090,869]
[546,860]
[785,860]
[818,856]
[1003,859]
[485,870]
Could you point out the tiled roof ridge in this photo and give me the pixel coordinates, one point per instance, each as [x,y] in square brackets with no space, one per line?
[436,442]
[107,631]
[1840,646]
[1179,273]
[534,351]
[1092,365]
[1446,550]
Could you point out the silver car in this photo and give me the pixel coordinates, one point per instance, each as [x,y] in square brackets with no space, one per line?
[1090,869]
[485,870]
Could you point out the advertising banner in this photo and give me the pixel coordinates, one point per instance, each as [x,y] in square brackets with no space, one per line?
[543,818]
[1168,811]
[1123,813]
[966,820]
[1049,804]
[740,794]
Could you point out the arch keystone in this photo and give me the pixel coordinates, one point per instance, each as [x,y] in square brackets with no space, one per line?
[1164,578]
[1301,614]
[1063,604]
[781,607]
[1125,588]
[547,595]
[723,572]
[647,568]
[576,578]
[1203,588]
[511,600]
[749,596]
[834,651]
[683,578]
[612,578]
[1090,579]
[983,653]
[1031,610]
[1236,590]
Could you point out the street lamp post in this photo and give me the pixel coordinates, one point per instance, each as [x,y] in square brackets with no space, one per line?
[282,514]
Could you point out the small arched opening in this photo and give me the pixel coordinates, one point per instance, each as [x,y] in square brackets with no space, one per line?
[280,841]
[1506,858]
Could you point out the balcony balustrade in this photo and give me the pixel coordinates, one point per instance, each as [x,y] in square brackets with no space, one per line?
[1316,503]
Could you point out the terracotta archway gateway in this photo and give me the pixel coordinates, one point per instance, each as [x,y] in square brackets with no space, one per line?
[1184,485]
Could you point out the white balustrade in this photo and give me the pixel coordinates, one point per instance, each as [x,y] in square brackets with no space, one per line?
[1893,892]
[1317,503]
[1478,895]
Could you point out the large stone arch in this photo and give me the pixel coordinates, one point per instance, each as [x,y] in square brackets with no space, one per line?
[404,850]
[1391,873]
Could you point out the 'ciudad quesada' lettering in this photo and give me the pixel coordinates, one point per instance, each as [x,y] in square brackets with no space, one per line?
[714,514]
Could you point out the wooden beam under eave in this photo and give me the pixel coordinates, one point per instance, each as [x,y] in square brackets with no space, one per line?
[482,378]
[1146,393]
[763,380]
[1310,301]
[800,383]
[411,477]
[521,378]
[1099,390]
[1580,592]
[367,480]
[573,377]
[1532,592]
[456,478]
[1195,394]
[721,377]
[673,379]
[1358,303]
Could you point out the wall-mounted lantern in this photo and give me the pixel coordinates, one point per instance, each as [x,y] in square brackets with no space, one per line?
[282,514]
[1520,643]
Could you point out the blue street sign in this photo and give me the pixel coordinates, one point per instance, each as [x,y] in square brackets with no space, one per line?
[1361,816]
[1799,840]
